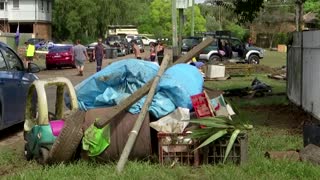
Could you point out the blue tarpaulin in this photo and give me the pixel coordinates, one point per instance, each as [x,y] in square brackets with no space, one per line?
[119,80]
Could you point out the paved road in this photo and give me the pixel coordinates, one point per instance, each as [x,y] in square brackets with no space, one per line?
[12,137]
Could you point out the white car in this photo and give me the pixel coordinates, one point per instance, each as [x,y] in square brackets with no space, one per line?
[147,41]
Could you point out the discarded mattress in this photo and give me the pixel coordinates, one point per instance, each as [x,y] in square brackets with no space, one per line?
[119,80]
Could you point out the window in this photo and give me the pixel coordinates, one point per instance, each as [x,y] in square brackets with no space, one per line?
[1,5]
[3,66]
[15,3]
[48,5]
[13,60]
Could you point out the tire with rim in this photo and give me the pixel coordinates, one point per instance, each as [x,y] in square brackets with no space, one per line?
[254,59]
[214,59]
[67,142]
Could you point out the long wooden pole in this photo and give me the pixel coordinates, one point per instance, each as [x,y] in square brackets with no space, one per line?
[137,126]
[144,90]
[174,29]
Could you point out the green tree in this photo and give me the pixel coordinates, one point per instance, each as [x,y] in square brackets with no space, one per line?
[312,6]
[199,21]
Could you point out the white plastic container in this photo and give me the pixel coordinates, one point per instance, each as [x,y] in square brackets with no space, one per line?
[215,71]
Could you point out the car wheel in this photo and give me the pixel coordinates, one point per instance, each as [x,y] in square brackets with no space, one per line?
[214,59]
[254,59]
[43,156]
[48,67]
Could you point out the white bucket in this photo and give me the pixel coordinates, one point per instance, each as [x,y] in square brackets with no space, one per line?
[215,71]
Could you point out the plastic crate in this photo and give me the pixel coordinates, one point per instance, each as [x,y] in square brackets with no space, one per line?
[177,148]
[214,153]
[201,105]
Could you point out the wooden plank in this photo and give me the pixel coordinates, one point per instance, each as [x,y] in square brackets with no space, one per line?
[144,90]
[137,126]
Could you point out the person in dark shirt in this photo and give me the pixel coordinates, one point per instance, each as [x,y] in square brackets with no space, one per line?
[98,54]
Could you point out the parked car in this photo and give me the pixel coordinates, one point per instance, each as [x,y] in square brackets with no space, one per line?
[127,45]
[37,42]
[239,52]
[189,42]
[112,40]
[139,43]
[147,41]
[90,48]
[15,80]
[60,55]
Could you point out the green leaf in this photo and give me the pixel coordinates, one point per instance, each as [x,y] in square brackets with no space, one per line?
[231,142]
[213,138]
[211,123]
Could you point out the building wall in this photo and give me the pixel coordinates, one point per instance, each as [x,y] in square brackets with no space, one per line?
[29,11]
[42,30]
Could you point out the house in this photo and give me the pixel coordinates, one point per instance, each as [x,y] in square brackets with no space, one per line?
[32,16]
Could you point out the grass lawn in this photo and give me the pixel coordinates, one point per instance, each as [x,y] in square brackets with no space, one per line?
[276,128]
[274,59]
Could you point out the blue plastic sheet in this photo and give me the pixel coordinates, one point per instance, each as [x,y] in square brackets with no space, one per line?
[119,80]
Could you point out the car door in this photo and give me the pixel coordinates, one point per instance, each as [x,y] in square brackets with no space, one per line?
[16,84]
[236,46]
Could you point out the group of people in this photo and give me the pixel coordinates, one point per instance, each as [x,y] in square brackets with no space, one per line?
[81,55]
[156,51]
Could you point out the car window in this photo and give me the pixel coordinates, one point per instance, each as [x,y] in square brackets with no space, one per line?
[3,66]
[235,42]
[60,49]
[14,63]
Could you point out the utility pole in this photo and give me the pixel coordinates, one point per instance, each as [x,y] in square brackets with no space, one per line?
[299,15]
[192,19]
[174,31]
[180,29]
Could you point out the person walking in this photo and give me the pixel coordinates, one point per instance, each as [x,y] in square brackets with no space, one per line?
[80,56]
[136,49]
[30,50]
[98,54]
[152,52]
[160,52]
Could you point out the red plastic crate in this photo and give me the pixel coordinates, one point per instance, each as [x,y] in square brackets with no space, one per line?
[201,105]
[177,148]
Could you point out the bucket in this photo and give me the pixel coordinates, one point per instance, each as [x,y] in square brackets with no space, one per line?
[56,126]
[120,129]
[311,134]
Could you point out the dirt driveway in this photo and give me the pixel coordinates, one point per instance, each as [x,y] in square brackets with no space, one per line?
[13,136]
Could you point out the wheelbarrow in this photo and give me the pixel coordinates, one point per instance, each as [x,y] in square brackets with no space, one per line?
[41,127]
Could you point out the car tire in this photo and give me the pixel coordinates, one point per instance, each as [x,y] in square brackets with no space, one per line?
[43,156]
[214,59]
[69,138]
[254,59]
[48,67]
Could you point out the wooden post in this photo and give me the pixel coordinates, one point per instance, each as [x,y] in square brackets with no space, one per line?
[137,126]
[144,90]
[174,30]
